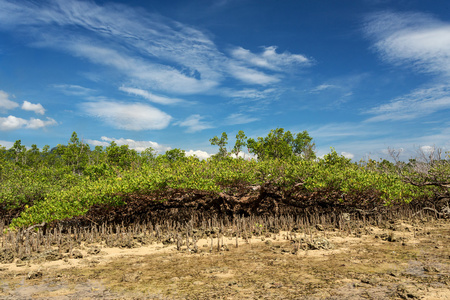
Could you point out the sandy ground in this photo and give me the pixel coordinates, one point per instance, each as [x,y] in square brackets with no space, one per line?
[404,261]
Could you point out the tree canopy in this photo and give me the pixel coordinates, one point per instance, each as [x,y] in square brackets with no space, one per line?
[282,144]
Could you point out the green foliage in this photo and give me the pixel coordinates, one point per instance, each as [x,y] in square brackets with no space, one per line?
[96,172]
[222,143]
[279,144]
[333,158]
[45,187]
[174,155]
[148,154]
[75,154]
[120,156]
[17,152]
[241,142]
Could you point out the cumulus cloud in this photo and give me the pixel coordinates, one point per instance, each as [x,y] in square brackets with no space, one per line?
[136,145]
[151,97]
[6,144]
[348,155]
[198,153]
[427,149]
[38,123]
[37,108]
[6,103]
[244,155]
[194,123]
[412,39]
[128,116]
[418,103]
[14,123]
[269,58]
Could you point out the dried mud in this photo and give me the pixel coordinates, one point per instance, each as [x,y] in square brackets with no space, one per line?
[399,259]
[256,244]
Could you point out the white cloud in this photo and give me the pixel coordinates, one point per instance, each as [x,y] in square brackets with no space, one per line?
[427,149]
[73,90]
[238,118]
[133,116]
[38,123]
[13,123]
[419,41]
[146,72]
[6,144]
[151,97]
[151,52]
[324,87]
[5,102]
[251,93]
[37,108]
[244,155]
[412,39]
[154,45]
[348,155]
[334,131]
[376,147]
[199,153]
[418,103]
[251,76]
[194,123]
[136,145]
[269,58]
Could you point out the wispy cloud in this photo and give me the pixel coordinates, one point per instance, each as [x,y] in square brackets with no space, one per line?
[335,131]
[324,87]
[37,108]
[270,59]
[136,145]
[152,97]
[152,52]
[14,123]
[194,123]
[415,40]
[251,76]
[418,103]
[253,94]
[128,116]
[238,118]
[74,90]
[150,40]
[411,39]
[373,141]
[6,103]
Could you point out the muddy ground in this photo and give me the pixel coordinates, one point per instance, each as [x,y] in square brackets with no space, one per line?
[400,259]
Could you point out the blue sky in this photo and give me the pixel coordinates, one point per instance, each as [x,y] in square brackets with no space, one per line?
[359,76]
